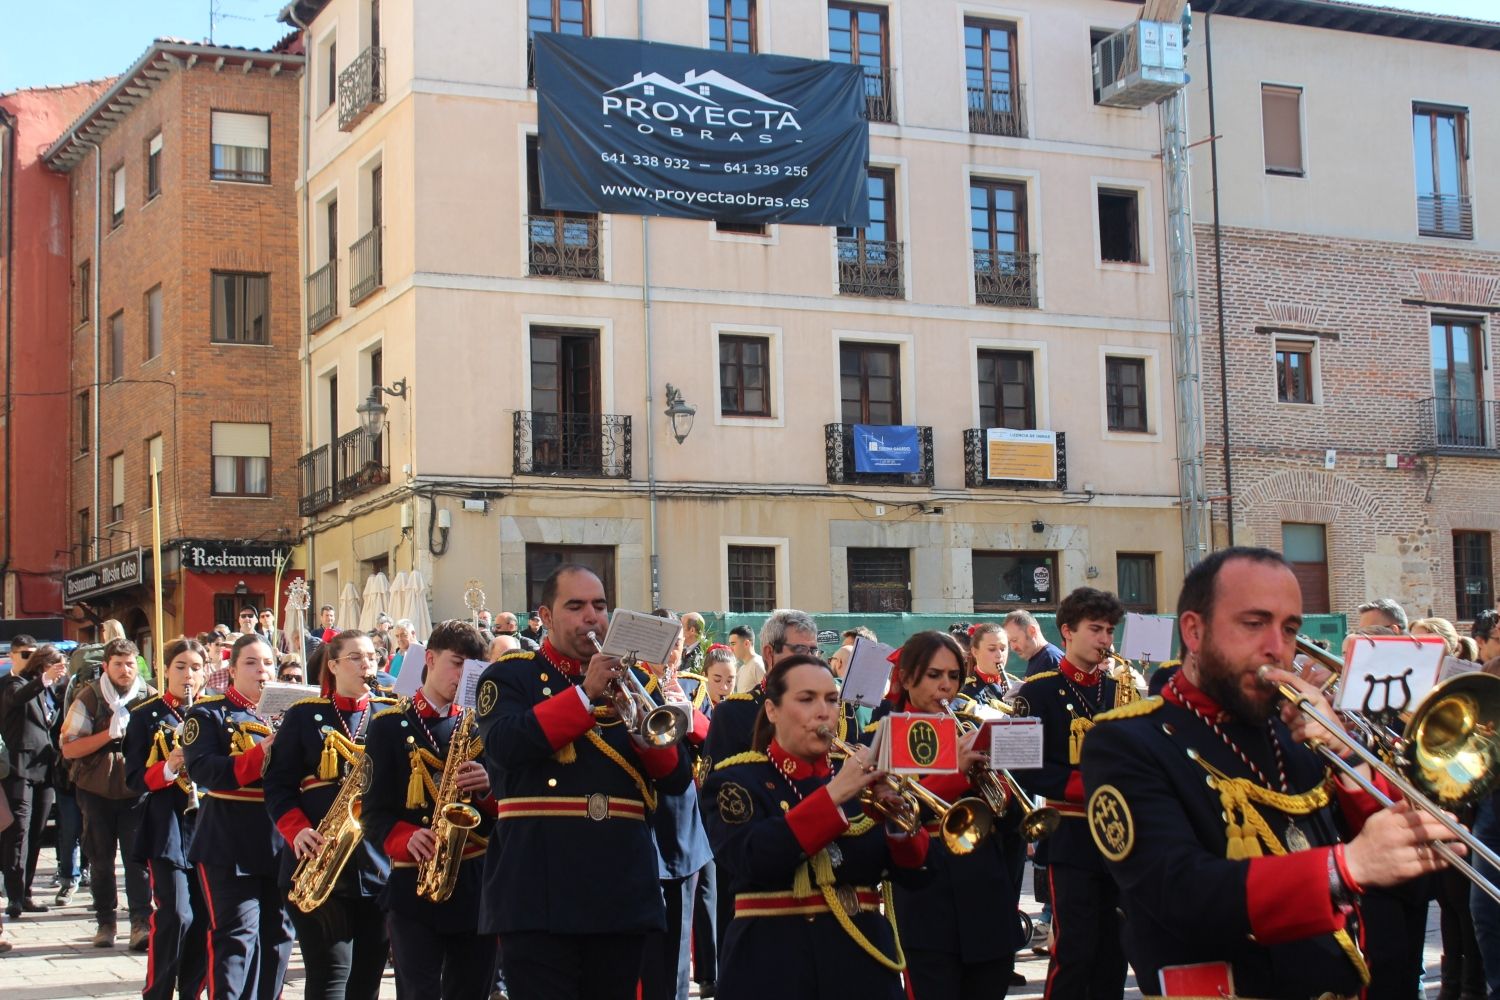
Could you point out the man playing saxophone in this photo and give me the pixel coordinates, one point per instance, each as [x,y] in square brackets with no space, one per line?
[436,947]
[319,747]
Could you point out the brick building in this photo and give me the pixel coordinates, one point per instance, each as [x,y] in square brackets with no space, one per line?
[185,333]
[34,322]
[1342,210]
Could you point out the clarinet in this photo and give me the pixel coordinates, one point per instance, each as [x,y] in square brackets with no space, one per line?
[192,789]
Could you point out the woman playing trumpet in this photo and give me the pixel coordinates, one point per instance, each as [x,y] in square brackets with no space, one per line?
[803,862]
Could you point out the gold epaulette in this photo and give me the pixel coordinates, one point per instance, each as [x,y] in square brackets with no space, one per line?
[1040,677]
[395,709]
[738,696]
[384,701]
[308,701]
[516,654]
[748,757]
[872,727]
[1130,710]
[208,700]
[691,676]
[146,702]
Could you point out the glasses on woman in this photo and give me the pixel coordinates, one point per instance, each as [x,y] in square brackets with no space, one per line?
[360,657]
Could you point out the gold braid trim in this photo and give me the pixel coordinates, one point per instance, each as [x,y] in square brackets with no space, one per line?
[1077,729]
[242,737]
[420,787]
[748,757]
[647,795]
[1351,951]
[819,870]
[859,827]
[336,745]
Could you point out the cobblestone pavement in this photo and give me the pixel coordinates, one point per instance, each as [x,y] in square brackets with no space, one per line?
[54,959]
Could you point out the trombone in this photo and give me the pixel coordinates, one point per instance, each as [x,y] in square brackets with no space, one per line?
[1448,752]
[964,825]
[654,725]
[1000,788]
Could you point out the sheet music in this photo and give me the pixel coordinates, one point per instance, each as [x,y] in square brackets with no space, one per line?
[1390,671]
[279,696]
[648,637]
[1148,637]
[1015,744]
[410,677]
[868,673]
[468,685]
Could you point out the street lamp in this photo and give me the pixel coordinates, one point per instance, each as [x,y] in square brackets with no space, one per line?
[680,413]
[372,411]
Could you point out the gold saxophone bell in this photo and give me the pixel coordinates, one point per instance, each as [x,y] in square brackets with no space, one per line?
[315,876]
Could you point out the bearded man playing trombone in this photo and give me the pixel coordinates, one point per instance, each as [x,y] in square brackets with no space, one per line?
[1246,865]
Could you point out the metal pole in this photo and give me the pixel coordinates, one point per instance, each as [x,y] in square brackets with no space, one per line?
[655,563]
[158,655]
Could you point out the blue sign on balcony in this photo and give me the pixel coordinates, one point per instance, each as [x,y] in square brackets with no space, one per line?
[894,448]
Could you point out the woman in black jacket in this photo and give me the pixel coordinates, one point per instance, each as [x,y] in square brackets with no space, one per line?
[29,703]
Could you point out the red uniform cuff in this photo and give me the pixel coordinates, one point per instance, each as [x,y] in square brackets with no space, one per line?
[395,841]
[563,718]
[1287,897]
[156,776]
[1359,805]
[658,762]
[700,728]
[947,786]
[816,821]
[293,822]
[489,805]
[247,765]
[1074,790]
[909,852]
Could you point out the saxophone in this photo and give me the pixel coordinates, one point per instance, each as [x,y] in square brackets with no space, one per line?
[453,818]
[1125,689]
[315,875]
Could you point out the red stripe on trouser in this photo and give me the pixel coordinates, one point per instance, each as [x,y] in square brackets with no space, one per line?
[151,939]
[1052,961]
[213,925]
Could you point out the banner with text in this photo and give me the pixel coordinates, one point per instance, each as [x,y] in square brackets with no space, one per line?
[895,448]
[1030,456]
[644,128]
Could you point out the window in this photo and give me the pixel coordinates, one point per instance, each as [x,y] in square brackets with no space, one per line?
[1125,393]
[1441,140]
[731,27]
[1136,576]
[85,290]
[879,580]
[117,490]
[85,542]
[1097,35]
[154,460]
[990,75]
[744,228]
[1281,128]
[227,606]
[541,560]
[242,456]
[858,34]
[752,578]
[997,235]
[1294,371]
[1004,581]
[241,308]
[1473,576]
[870,383]
[85,422]
[331,229]
[377,377]
[117,185]
[331,399]
[566,17]
[744,376]
[1007,394]
[1119,226]
[1305,546]
[560,244]
[331,75]
[870,258]
[241,147]
[1458,383]
[153,323]
[567,432]
[117,346]
[153,167]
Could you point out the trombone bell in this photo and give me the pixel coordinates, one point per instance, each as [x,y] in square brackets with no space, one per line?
[1450,740]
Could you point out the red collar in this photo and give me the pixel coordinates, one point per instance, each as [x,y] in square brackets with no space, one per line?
[351,704]
[1181,691]
[566,664]
[426,711]
[238,700]
[796,768]
[168,700]
[1077,676]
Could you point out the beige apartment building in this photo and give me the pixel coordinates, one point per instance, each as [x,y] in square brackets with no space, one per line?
[1013,276]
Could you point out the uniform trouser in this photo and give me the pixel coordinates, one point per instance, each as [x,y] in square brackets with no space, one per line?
[250,937]
[943,975]
[1088,959]
[431,964]
[21,843]
[109,828]
[1462,969]
[344,948]
[1395,928]
[1486,911]
[664,964]
[177,961]
[542,966]
[705,926]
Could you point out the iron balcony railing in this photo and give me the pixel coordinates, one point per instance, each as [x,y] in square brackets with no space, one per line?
[977,470]
[359,463]
[998,111]
[594,445]
[1460,424]
[870,267]
[563,246]
[323,296]
[361,87]
[1450,215]
[1003,278]
[365,266]
[838,447]
[315,473]
[880,93]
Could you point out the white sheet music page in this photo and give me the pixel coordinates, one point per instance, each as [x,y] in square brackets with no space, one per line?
[279,696]
[868,673]
[647,637]
[1394,671]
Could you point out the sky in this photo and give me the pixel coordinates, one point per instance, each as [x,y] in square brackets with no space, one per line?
[63,41]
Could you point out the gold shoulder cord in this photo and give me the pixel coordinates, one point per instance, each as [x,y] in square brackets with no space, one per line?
[647,795]
[818,870]
[336,745]
[748,757]
[242,738]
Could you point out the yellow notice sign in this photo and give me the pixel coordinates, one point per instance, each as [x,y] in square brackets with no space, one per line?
[1024,455]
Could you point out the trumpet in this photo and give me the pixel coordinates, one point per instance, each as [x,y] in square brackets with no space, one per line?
[964,825]
[1448,752]
[652,724]
[1000,788]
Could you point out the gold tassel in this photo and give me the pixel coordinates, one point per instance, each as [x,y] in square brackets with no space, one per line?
[801,882]
[565,754]
[1076,730]
[415,795]
[328,763]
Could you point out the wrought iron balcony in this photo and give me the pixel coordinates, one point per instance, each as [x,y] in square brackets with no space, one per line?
[1448,215]
[359,463]
[315,473]
[998,112]
[880,93]
[361,87]
[563,246]
[977,472]
[1002,278]
[323,296]
[593,445]
[870,267]
[365,266]
[1469,426]
[838,448]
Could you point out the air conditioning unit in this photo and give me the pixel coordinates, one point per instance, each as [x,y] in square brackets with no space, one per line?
[1139,65]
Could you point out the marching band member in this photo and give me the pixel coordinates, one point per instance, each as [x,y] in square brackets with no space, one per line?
[571,882]
[344,943]
[787,632]
[952,952]
[435,946]
[235,846]
[1087,961]
[801,861]
[989,682]
[1235,852]
[154,760]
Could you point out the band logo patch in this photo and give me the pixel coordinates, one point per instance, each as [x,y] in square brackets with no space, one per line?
[735,805]
[1110,823]
[489,694]
[190,732]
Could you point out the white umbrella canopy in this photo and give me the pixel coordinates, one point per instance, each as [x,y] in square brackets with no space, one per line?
[376,599]
[420,615]
[294,626]
[348,611]
[400,605]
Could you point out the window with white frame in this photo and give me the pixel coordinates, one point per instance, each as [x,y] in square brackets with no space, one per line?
[241,147]
[241,457]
